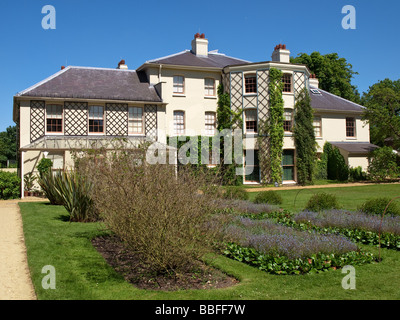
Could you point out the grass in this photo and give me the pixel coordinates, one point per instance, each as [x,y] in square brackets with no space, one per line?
[82,273]
[349,197]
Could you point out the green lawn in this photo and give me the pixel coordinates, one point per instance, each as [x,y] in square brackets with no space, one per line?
[349,197]
[82,273]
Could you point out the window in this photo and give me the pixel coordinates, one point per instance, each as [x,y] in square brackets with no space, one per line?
[96,119]
[317,124]
[251,120]
[250,83]
[288,165]
[58,160]
[210,122]
[135,120]
[209,87]
[179,122]
[179,84]
[287,82]
[252,170]
[54,118]
[350,127]
[288,120]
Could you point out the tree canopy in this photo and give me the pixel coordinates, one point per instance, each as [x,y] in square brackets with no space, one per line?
[334,73]
[382,102]
[8,145]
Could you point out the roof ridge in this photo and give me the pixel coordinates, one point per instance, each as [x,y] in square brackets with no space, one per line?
[43,81]
[168,56]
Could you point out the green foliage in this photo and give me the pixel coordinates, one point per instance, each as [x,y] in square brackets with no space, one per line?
[368,237]
[337,169]
[322,201]
[382,164]
[282,265]
[270,196]
[10,185]
[304,139]
[29,181]
[334,73]
[357,174]
[8,145]
[274,125]
[74,191]
[235,193]
[44,166]
[382,102]
[377,206]
[227,119]
[47,182]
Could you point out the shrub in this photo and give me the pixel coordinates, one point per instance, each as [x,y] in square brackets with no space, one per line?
[377,206]
[47,182]
[356,174]
[29,181]
[322,201]
[44,166]
[10,185]
[74,191]
[271,197]
[163,218]
[382,164]
[337,169]
[235,193]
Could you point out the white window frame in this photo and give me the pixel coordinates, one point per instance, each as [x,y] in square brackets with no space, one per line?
[51,117]
[177,85]
[318,120]
[133,120]
[182,122]
[245,120]
[210,123]
[90,118]
[208,88]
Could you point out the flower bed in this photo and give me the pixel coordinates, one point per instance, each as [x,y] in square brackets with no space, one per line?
[282,250]
[356,226]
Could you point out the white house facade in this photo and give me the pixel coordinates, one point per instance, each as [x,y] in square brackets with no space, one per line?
[176,95]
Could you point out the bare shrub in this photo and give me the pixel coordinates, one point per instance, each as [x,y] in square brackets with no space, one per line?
[167,219]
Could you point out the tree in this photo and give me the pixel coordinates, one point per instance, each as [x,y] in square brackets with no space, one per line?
[304,139]
[382,164]
[8,145]
[334,73]
[382,102]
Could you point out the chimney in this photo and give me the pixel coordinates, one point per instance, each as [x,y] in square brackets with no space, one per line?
[313,81]
[200,45]
[122,65]
[281,54]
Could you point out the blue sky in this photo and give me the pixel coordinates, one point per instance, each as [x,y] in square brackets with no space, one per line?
[101,33]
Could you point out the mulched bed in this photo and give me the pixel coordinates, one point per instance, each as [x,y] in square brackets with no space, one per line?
[127,263]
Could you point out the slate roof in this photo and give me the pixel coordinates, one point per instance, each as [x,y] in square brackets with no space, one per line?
[95,83]
[328,101]
[355,147]
[188,58]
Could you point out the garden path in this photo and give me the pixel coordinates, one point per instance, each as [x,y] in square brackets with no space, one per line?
[15,280]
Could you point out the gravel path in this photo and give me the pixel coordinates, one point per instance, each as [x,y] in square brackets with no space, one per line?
[15,280]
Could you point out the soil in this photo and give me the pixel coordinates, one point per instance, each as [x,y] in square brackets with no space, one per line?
[127,263]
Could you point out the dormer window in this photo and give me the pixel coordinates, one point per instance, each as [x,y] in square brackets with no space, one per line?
[179,84]
[250,83]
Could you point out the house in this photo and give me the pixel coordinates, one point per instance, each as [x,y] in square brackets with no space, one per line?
[85,107]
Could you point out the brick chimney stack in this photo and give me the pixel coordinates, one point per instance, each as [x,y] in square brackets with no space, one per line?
[281,54]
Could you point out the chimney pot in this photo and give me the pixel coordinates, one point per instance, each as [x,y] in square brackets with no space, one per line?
[279,55]
[197,35]
[202,36]
[62,67]
[122,65]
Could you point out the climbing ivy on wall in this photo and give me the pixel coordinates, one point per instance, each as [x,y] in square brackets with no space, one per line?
[275,124]
[227,119]
[304,138]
